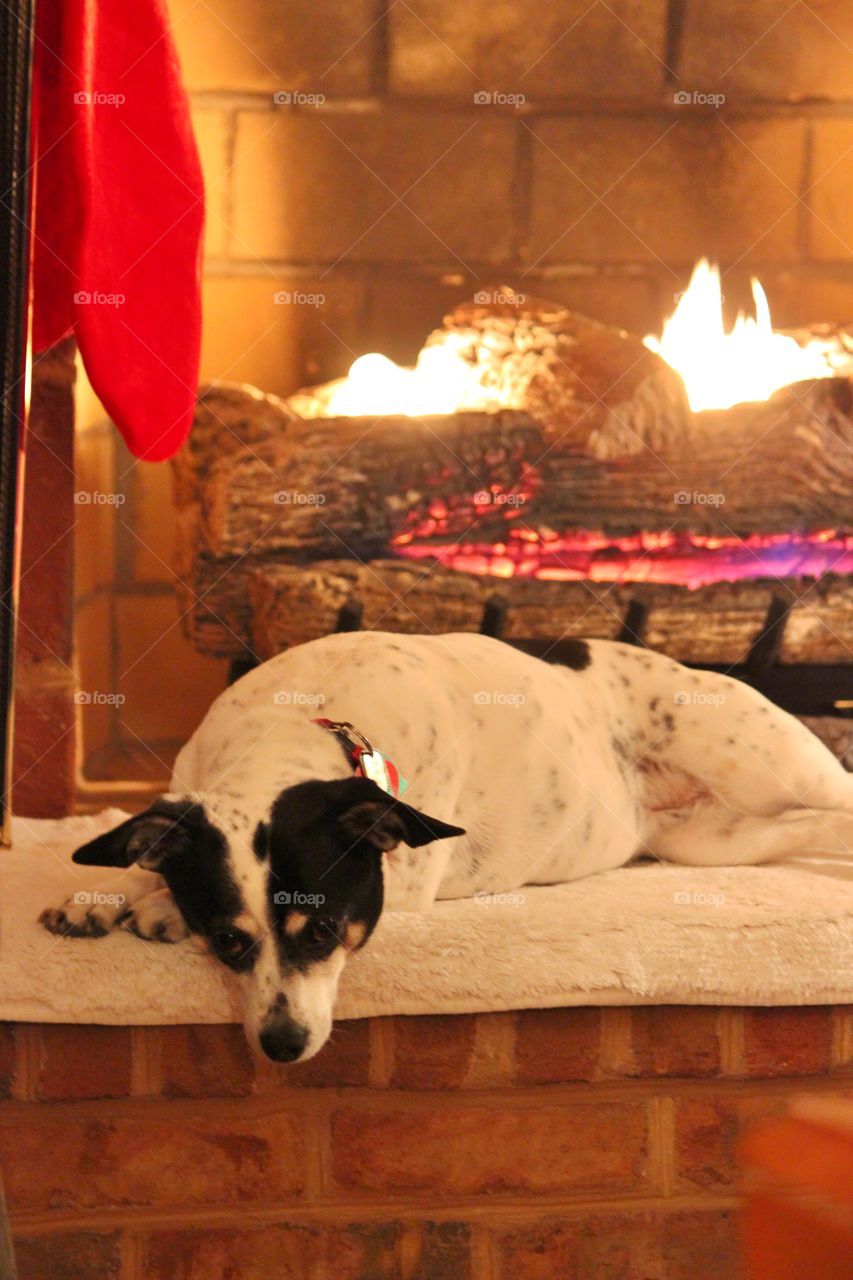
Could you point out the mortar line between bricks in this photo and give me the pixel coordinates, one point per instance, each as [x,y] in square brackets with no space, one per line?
[229,200]
[319,1179]
[841,1052]
[522,198]
[27,1039]
[514,1097]
[834,270]
[666,1133]
[380,69]
[732,1044]
[555,107]
[676,12]
[381,1052]
[486,1211]
[131,1256]
[483,1252]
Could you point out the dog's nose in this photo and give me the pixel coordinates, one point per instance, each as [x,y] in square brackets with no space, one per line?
[283,1040]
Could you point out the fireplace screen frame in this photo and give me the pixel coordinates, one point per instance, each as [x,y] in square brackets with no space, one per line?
[16,41]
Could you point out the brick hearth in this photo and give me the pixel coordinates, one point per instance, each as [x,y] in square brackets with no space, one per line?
[489,1147]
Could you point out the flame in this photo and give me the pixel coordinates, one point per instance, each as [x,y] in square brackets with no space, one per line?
[750,362]
[442,381]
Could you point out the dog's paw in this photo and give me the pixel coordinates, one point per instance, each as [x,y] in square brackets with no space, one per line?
[84,915]
[155,918]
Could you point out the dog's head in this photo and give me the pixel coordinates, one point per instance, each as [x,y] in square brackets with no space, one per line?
[284,904]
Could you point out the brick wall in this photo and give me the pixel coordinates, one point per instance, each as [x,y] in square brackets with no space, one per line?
[564,1143]
[401,194]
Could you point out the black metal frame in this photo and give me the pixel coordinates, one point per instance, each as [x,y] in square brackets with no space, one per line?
[807,689]
[16,52]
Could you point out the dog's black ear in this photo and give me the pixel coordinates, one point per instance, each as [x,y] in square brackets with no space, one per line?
[382,822]
[146,839]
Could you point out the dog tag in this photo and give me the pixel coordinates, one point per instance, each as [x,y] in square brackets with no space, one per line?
[381,771]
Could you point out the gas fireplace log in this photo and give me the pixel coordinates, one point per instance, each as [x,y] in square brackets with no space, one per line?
[717,623]
[363,485]
[229,416]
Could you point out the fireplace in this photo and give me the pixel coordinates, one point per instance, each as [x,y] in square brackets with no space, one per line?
[538,475]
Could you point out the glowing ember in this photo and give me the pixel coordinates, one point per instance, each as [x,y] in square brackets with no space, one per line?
[442,381]
[723,369]
[690,560]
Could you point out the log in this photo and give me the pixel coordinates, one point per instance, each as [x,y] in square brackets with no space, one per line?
[595,459]
[290,604]
[365,485]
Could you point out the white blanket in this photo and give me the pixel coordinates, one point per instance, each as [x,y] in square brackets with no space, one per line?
[646,934]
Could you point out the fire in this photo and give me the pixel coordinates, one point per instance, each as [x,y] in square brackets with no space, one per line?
[750,362]
[442,381]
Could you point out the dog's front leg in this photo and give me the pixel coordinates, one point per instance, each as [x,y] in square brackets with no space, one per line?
[91,913]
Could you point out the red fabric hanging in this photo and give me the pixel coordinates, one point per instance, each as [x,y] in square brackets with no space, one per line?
[119,213]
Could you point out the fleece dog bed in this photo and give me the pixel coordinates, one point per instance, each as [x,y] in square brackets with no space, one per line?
[645,934]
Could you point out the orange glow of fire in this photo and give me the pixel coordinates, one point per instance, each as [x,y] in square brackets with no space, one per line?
[750,362]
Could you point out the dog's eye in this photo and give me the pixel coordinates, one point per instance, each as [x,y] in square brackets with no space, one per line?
[230,946]
[322,929]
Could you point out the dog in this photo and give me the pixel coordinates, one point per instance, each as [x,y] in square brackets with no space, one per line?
[285,831]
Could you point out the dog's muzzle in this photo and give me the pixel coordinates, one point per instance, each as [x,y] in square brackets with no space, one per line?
[283,1040]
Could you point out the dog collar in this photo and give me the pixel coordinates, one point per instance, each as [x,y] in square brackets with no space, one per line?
[365,760]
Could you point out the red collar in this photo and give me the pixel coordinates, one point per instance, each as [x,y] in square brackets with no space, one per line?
[365,760]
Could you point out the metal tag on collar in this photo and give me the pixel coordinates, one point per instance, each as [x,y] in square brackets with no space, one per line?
[384,773]
[373,766]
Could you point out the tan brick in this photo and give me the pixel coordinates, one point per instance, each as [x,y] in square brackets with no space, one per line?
[673,1041]
[345,1060]
[806,296]
[627,302]
[152,1157]
[285,1252]
[322,46]
[618,1246]
[95,670]
[167,685]
[280,347]
[205,1062]
[211,135]
[94,523]
[402,310]
[553,1045]
[666,189]
[567,48]
[769,50]
[149,517]
[393,185]
[83,1255]
[787,1042]
[432,1052]
[830,197]
[83,1062]
[471,1150]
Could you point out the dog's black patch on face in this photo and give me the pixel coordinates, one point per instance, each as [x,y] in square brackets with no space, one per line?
[177,839]
[326,843]
[260,842]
